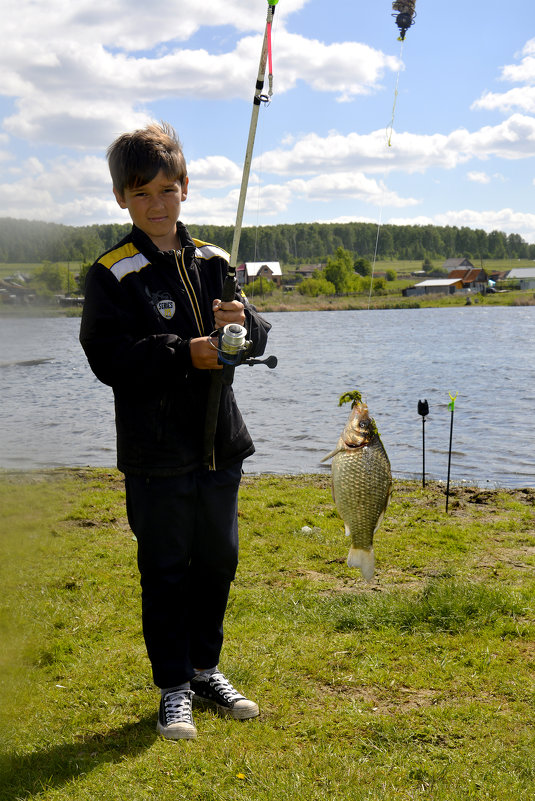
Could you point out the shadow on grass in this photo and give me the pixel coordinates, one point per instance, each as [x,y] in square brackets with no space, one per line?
[22,776]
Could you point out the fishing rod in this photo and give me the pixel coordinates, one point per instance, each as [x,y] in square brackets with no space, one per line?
[404,16]
[258,99]
[233,346]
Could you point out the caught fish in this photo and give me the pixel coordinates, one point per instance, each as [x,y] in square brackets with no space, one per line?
[361,482]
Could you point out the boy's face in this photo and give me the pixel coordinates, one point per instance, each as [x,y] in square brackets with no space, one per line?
[155,208]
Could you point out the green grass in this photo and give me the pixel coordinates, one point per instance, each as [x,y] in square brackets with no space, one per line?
[416,686]
[8,269]
[293,301]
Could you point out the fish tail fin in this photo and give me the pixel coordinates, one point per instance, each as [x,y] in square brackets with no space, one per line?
[364,559]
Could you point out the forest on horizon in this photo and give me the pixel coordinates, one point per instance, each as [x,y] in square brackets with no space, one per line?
[25,241]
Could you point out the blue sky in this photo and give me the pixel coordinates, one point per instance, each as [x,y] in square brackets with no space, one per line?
[77,74]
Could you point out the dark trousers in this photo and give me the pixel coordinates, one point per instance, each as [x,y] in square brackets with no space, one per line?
[187,532]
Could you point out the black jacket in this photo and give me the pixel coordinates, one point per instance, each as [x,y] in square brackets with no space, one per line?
[141,309]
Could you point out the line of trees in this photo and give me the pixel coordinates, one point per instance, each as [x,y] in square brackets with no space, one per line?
[343,274]
[26,241]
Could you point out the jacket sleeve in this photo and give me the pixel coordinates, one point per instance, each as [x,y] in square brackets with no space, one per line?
[257,327]
[118,351]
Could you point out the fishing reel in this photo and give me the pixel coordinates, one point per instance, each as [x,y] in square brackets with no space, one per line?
[233,348]
[233,345]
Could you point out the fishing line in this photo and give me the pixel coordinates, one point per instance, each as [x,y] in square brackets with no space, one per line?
[376,248]
[258,191]
[405,15]
[258,175]
[390,128]
[389,132]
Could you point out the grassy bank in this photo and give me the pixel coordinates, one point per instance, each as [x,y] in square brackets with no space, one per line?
[285,302]
[419,685]
[279,302]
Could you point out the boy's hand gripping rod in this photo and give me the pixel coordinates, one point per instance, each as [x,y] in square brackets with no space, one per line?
[233,354]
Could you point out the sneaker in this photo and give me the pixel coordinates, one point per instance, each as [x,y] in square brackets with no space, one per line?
[213,689]
[175,719]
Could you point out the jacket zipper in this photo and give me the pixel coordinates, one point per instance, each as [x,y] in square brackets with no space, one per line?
[188,286]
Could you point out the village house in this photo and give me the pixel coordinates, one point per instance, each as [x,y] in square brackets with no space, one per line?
[498,275]
[524,276]
[249,270]
[473,278]
[434,286]
[456,264]
[13,291]
[308,270]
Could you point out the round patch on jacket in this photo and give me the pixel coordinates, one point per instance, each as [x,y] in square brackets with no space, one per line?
[166,307]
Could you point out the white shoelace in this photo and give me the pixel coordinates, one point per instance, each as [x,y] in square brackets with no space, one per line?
[178,707]
[222,684]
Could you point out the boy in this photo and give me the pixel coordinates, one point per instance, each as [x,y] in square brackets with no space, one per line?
[151,305]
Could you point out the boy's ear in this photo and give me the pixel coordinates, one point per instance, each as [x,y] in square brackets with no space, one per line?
[119,198]
[184,187]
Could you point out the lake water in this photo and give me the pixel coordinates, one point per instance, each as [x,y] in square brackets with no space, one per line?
[58,414]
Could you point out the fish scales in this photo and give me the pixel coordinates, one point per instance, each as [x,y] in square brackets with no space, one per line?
[361,479]
[361,483]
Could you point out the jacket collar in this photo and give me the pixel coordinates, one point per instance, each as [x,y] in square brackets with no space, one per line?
[145,244]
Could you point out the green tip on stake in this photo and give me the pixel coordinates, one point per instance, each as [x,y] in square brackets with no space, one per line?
[453,398]
[273,2]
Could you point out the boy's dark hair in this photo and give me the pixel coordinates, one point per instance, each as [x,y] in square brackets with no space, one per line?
[136,158]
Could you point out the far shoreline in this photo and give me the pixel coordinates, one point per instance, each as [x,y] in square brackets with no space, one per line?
[323,303]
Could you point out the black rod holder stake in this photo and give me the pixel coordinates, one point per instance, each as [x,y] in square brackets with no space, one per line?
[451,407]
[423,409]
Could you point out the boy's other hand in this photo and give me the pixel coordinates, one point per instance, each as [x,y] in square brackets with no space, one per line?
[226,312]
[204,353]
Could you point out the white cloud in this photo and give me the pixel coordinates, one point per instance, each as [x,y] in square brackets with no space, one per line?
[78,74]
[525,71]
[75,68]
[350,185]
[512,139]
[349,219]
[507,220]
[67,190]
[72,123]
[484,178]
[346,68]
[132,25]
[214,172]
[521,98]
[479,177]
[273,199]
